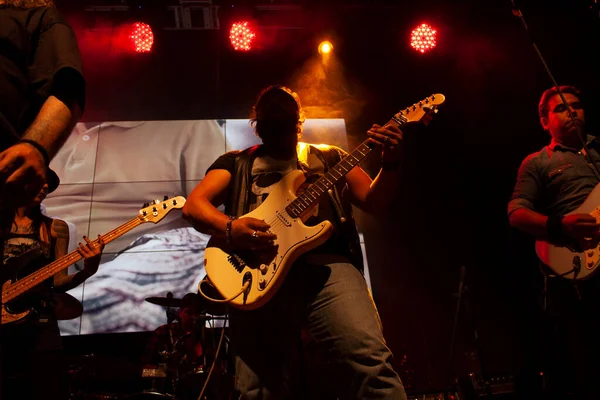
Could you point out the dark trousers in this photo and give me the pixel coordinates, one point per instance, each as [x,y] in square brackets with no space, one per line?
[31,360]
[571,358]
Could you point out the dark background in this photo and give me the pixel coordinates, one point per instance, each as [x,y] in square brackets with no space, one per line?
[458,173]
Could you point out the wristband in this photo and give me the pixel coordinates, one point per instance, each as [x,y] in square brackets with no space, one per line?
[39,147]
[228,230]
[555,230]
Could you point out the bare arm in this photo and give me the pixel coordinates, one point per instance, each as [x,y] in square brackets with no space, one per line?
[23,165]
[53,124]
[529,221]
[91,254]
[375,196]
[200,208]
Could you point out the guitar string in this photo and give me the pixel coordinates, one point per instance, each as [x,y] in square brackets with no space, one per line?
[23,285]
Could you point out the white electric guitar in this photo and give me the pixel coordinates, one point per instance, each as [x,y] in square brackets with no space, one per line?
[248,279]
[12,290]
[566,261]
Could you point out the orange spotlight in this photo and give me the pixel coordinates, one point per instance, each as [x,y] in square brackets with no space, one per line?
[241,36]
[325,47]
[142,37]
[423,38]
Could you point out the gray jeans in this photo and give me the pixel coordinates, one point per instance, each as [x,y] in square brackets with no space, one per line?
[330,303]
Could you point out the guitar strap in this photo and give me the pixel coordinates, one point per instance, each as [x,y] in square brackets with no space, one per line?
[590,162]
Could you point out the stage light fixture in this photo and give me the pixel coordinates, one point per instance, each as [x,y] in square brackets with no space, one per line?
[325,47]
[242,35]
[423,38]
[141,37]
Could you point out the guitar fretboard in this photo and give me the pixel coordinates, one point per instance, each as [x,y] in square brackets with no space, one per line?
[22,285]
[312,194]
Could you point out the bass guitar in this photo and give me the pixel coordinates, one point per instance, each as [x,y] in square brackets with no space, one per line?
[248,280]
[13,290]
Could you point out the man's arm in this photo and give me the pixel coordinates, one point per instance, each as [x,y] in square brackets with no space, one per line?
[556,229]
[200,208]
[53,124]
[530,222]
[57,84]
[375,196]
[23,165]
[201,211]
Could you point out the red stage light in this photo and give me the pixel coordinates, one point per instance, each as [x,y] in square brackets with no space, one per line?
[241,36]
[423,38]
[142,37]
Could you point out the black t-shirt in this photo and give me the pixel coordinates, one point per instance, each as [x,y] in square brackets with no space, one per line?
[39,57]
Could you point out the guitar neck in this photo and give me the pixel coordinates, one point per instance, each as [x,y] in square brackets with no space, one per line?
[312,194]
[31,280]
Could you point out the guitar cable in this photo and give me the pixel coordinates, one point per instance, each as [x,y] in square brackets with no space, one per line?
[243,289]
[212,367]
[207,297]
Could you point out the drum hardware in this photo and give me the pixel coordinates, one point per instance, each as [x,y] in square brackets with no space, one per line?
[185,363]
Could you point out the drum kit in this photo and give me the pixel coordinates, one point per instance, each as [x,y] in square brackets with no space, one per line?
[189,361]
[188,357]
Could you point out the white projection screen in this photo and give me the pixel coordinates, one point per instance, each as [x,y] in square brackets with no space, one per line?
[108,171]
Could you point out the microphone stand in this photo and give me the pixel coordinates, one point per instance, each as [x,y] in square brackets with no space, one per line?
[170,319]
[463,297]
[517,13]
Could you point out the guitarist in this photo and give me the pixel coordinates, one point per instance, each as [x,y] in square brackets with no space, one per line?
[552,183]
[30,347]
[324,294]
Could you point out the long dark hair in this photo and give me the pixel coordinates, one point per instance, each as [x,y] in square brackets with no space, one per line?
[268,100]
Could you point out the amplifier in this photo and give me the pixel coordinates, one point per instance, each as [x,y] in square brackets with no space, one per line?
[446,395]
[474,387]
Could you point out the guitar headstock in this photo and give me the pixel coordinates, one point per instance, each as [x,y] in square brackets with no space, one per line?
[419,112]
[157,210]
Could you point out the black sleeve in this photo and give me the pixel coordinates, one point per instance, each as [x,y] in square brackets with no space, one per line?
[55,67]
[226,162]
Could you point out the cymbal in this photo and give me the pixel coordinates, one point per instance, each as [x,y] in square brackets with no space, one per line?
[66,306]
[200,303]
[165,301]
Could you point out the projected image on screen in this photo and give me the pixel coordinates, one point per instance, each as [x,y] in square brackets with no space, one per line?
[108,171]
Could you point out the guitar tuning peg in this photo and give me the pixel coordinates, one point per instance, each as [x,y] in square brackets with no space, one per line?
[146,205]
[165,198]
[156,201]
